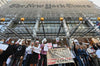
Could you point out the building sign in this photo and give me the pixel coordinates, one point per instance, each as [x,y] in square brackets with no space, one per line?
[48,6]
[59,56]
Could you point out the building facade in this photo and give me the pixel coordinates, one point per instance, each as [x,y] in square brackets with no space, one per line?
[51,26]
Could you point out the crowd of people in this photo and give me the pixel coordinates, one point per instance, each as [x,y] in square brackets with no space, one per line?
[86,54]
[20,54]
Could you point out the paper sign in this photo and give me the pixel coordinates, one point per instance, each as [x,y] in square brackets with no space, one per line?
[46,47]
[49,45]
[37,49]
[57,39]
[55,45]
[3,46]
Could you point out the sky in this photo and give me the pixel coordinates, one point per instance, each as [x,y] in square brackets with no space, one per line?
[97,2]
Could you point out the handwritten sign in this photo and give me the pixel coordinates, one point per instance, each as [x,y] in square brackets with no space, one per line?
[59,56]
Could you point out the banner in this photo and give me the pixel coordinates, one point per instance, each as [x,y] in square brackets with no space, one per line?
[59,56]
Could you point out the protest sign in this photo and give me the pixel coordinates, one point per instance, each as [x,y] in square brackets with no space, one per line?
[49,45]
[46,47]
[55,45]
[3,46]
[59,56]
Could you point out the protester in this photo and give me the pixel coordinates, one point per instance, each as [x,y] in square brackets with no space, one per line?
[19,53]
[98,55]
[92,54]
[78,53]
[5,54]
[35,54]
[43,60]
[29,54]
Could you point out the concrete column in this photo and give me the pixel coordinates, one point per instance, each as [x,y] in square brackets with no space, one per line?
[65,28]
[10,23]
[67,32]
[35,29]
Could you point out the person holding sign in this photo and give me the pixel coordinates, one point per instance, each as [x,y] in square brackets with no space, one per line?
[43,54]
[9,50]
[19,53]
[29,54]
[46,47]
[35,54]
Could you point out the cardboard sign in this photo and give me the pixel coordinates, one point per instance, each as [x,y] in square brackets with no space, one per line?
[59,56]
[3,46]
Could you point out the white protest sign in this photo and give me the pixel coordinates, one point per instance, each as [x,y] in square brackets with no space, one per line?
[55,45]
[37,49]
[3,46]
[46,47]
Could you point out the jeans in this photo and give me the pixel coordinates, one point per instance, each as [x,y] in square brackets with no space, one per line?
[87,60]
[79,60]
